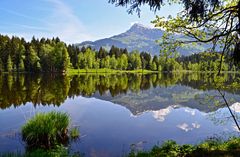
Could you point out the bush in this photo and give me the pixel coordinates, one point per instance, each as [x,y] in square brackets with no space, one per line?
[211,147]
[46,130]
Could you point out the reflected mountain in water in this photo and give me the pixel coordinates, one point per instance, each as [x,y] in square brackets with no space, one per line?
[160,98]
[138,93]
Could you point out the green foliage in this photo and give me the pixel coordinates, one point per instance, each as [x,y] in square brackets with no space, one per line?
[65,60]
[122,62]
[215,22]
[145,59]
[47,55]
[134,61]
[21,65]
[113,62]
[9,64]
[210,147]
[212,22]
[86,60]
[153,66]
[33,58]
[208,62]
[74,133]
[167,149]
[46,130]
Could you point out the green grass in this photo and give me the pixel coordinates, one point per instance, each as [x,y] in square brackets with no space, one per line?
[46,130]
[45,135]
[74,133]
[112,71]
[211,147]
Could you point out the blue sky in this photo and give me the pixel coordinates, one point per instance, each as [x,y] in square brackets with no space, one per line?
[71,20]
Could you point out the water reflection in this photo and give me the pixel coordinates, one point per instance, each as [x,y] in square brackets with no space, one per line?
[161,114]
[115,111]
[46,90]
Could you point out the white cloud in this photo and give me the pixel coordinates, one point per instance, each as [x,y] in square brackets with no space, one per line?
[65,24]
[60,21]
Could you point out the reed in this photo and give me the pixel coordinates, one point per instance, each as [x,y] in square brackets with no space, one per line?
[46,130]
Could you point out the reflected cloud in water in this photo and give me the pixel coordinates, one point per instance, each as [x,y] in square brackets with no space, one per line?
[185,127]
[160,115]
[236,107]
[192,112]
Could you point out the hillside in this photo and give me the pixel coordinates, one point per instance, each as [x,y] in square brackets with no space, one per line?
[141,38]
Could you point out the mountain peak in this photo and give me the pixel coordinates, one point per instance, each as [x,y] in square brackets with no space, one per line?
[137,26]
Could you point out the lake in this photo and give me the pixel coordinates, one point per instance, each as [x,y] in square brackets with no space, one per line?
[116,113]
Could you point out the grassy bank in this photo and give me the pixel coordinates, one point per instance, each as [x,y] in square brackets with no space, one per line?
[144,71]
[111,71]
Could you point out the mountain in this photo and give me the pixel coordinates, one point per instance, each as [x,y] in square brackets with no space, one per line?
[138,37]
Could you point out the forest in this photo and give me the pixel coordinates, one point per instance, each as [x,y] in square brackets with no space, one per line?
[53,55]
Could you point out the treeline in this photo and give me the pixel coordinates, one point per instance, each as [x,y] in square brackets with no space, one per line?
[43,55]
[52,55]
[116,58]
[206,61]
[55,89]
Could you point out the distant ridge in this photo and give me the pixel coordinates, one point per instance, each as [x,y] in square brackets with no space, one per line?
[138,37]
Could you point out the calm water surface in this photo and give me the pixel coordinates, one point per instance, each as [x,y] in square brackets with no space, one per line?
[118,112]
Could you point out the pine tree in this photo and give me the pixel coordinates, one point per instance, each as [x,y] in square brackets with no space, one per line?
[102,53]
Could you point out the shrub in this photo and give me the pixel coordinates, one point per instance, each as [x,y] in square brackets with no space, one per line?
[46,130]
[211,147]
